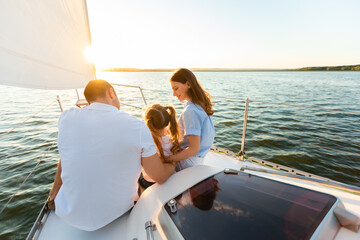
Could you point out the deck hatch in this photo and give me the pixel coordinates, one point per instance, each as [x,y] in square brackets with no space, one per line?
[227,206]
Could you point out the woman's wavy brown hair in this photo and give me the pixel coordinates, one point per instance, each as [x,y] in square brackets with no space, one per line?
[197,94]
[157,117]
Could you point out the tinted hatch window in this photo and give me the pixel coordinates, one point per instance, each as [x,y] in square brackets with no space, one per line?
[245,206]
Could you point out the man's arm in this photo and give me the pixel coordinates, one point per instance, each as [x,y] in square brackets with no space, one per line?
[157,170]
[57,183]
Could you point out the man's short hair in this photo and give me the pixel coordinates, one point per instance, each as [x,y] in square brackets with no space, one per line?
[96,89]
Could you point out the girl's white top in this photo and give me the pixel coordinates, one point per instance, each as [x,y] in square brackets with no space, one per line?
[166,145]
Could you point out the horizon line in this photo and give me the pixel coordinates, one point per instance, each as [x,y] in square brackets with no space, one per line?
[219,69]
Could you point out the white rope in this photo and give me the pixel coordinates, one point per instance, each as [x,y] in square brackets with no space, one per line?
[292,105]
[233,127]
[214,96]
[317,125]
[229,98]
[310,144]
[257,101]
[130,105]
[37,164]
[156,90]
[3,135]
[314,145]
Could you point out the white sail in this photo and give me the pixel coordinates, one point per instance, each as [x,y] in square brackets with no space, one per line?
[42,44]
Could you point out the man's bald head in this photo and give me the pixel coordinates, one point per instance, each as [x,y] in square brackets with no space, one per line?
[96,89]
[101,91]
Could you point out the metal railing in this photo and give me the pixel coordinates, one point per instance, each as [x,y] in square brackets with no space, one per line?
[320,180]
[150,228]
[132,86]
[40,221]
[247,102]
[26,178]
[285,171]
[242,150]
[27,119]
[243,130]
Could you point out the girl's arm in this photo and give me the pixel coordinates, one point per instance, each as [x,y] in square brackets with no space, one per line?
[193,149]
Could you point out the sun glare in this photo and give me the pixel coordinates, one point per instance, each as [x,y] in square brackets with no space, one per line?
[97,56]
[89,53]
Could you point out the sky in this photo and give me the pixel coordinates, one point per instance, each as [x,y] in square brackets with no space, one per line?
[278,34]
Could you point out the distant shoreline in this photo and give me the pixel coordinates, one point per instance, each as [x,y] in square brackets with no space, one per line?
[325,68]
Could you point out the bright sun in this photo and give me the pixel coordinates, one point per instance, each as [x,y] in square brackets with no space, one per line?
[89,53]
[96,56]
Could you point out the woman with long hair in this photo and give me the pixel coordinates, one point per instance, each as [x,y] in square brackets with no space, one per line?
[195,121]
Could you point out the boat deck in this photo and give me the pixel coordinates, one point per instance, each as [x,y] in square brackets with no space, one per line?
[131,225]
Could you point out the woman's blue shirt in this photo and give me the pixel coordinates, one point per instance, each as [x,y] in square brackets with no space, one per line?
[194,121]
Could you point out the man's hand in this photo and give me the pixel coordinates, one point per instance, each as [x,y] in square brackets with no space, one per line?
[52,194]
[51,203]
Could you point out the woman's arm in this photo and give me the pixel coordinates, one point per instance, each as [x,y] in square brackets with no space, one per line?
[193,149]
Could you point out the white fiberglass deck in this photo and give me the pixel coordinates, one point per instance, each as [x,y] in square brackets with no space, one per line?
[131,225]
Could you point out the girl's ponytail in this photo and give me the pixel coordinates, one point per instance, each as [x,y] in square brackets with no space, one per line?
[174,130]
[157,118]
[151,116]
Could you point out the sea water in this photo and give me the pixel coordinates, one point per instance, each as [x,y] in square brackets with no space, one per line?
[284,126]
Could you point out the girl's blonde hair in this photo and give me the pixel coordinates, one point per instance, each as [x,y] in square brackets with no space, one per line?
[157,117]
[197,94]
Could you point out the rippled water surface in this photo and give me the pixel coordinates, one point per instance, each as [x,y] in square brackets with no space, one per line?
[32,146]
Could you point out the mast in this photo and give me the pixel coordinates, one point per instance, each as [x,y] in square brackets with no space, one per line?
[89,32]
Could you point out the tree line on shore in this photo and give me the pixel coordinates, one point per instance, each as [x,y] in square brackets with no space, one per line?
[326,68]
[336,68]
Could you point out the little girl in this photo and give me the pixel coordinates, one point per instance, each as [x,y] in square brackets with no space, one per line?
[166,134]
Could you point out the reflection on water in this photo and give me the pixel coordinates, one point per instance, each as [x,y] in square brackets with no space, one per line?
[21,150]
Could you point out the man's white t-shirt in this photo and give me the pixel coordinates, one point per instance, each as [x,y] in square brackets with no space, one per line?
[100,150]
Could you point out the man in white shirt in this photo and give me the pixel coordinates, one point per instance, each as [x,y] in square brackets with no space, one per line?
[101,151]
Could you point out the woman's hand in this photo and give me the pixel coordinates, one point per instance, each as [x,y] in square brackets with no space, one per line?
[193,149]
